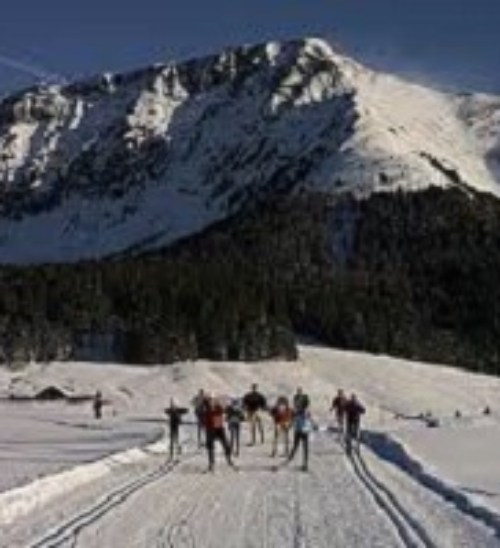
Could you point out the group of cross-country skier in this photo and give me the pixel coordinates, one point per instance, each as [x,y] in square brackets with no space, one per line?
[220,419]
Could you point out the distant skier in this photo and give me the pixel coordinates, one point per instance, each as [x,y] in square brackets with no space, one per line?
[338,407]
[300,400]
[253,403]
[353,412]
[174,415]
[282,416]
[234,418]
[215,431]
[302,427]
[97,405]
[200,405]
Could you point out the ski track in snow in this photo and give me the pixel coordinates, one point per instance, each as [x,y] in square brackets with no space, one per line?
[428,504]
[72,528]
[371,500]
[412,534]
[343,501]
[422,516]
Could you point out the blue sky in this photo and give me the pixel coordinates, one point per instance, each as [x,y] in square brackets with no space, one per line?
[453,43]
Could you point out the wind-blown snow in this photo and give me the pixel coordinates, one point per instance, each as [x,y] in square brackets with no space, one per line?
[120,161]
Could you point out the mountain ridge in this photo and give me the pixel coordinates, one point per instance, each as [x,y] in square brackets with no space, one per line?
[142,159]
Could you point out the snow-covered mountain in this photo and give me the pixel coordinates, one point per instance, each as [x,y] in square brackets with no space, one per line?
[482,113]
[142,159]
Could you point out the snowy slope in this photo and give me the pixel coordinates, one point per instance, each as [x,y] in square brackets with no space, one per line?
[390,387]
[144,158]
[482,113]
[135,499]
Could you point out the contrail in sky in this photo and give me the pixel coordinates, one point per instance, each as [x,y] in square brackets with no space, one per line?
[28,68]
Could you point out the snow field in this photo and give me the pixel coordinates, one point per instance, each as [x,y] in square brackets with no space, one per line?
[376,499]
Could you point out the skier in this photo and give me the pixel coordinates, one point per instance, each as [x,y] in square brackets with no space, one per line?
[174,414]
[302,426]
[214,425]
[282,415]
[338,406]
[97,404]
[353,411]
[300,400]
[199,404]
[254,402]
[234,417]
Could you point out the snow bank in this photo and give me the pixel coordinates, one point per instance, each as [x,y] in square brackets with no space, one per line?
[394,451]
[52,437]
[19,502]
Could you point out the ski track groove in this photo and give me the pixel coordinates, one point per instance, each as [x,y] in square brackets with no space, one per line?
[325,487]
[71,529]
[280,517]
[209,499]
[411,533]
[398,517]
[209,489]
[181,493]
[177,527]
[264,507]
[252,509]
[324,496]
[248,498]
[180,502]
[274,510]
[300,537]
[463,529]
[180,508]
[414,524]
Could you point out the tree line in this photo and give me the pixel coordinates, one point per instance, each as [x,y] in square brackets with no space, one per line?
[412,274]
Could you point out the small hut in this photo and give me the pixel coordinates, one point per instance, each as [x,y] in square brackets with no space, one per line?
[51,393]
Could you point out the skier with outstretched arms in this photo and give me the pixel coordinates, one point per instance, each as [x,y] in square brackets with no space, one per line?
[174,415]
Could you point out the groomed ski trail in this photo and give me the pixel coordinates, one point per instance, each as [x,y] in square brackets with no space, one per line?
[412,533]
[70,530]
[421,517]
[342,502]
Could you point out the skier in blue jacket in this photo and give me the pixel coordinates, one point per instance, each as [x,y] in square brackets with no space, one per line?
[302,428]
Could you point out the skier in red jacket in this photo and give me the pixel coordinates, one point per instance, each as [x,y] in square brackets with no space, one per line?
[282,415]
[215,430]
